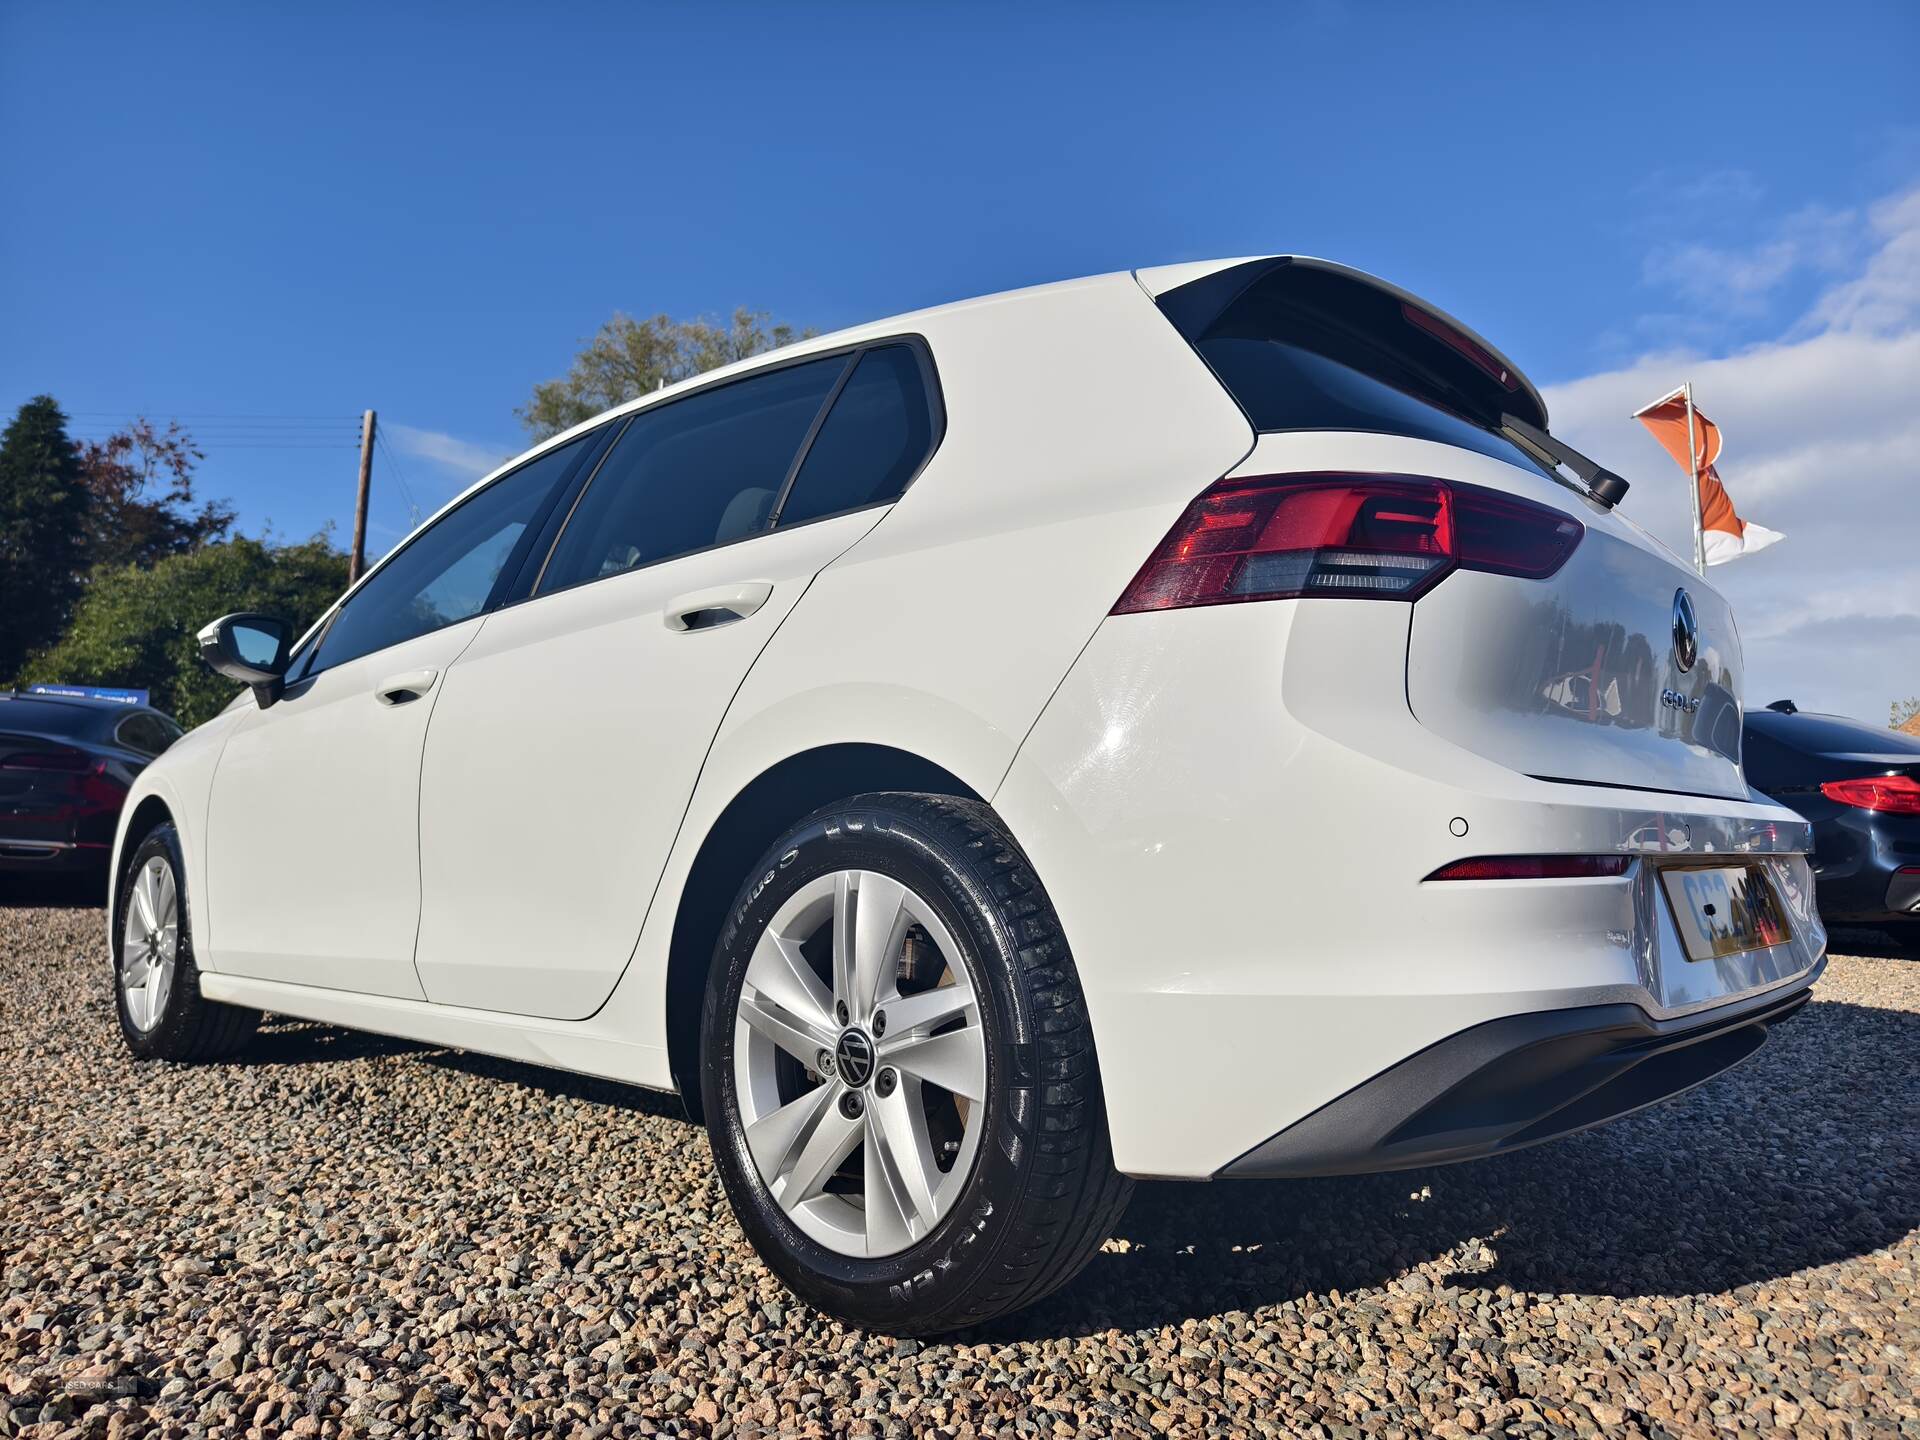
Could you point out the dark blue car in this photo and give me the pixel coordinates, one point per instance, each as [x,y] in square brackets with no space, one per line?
[65,767]
[1860,786]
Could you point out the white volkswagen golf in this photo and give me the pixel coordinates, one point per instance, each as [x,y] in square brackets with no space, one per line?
[1193,723]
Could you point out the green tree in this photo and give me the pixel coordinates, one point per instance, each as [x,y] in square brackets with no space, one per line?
[629,358]
[43,529]
[136,626]
[140,479]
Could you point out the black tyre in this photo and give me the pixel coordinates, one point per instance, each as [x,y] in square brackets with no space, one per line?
[156,987]
[898,1070]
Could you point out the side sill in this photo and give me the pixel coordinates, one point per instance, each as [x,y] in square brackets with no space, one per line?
[561,1044]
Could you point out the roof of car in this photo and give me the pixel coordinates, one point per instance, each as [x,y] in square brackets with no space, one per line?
[1830,734]
[83,704]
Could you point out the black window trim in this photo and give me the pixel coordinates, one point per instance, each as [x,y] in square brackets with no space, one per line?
[301,669]
[936,415]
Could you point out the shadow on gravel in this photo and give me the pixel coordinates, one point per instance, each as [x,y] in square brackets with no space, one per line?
[282,1041]
[1806,1155]
[303,1042]
[36,890]
[1901,944]
[564,1085]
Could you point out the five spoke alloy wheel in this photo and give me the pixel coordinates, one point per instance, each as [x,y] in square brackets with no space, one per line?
[150,942]
[163,1015]
[860,1063]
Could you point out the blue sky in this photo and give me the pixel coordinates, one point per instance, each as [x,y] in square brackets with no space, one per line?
[251,212]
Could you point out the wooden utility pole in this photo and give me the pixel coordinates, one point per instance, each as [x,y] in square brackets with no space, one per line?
[357,561]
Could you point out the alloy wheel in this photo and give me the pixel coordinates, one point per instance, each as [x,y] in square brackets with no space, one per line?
[860,1063]
[150,943]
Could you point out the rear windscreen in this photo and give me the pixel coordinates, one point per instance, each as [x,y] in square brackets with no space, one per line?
[1305,349]
[40,717]
[1283,386]
[1832,735]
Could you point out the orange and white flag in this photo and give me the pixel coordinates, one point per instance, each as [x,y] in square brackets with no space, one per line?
[1724,535]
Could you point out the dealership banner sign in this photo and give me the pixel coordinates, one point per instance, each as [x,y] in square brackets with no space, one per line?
[92,692]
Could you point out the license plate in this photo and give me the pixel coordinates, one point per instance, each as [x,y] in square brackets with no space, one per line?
[1724,910]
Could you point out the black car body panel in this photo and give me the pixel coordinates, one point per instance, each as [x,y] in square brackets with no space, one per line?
[1866,863]
[66,765]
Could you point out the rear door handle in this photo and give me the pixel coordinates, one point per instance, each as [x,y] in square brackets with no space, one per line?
[722,605]
[406,687]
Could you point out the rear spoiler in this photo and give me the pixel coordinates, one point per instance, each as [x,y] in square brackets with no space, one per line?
[1360,319]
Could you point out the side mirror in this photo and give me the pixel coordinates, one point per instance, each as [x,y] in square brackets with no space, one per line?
[251,649]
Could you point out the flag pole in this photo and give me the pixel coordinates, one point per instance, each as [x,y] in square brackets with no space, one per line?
[1693,482]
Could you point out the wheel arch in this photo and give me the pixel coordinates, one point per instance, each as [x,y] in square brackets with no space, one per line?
[147,815]
[767,805]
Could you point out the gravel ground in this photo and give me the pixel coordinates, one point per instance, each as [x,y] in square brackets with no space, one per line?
[346,1235]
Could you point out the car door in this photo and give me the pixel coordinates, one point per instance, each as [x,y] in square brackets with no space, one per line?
[569,736]
[313,872]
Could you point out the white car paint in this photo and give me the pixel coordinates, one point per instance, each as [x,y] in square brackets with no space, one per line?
[536,871]
[348,812]
[1230,807]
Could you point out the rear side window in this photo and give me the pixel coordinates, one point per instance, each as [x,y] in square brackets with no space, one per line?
[146,733]
[447,573]
[692,474]
[874,440]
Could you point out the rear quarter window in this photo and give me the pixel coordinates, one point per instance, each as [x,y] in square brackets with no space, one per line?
[873,442]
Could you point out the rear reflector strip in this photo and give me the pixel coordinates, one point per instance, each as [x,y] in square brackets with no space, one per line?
[1534,867]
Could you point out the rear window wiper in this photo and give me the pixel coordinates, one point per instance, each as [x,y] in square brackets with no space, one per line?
[1602,484]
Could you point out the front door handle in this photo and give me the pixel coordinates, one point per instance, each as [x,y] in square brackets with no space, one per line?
[722,605]
[406,687]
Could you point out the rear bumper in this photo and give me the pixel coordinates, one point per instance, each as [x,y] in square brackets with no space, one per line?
[26,854]
[1867,862]
[1234,813]
[1518,1081]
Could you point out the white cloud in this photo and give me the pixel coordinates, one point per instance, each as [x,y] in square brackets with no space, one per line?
[1822,429]
[1741,278]
[465,458]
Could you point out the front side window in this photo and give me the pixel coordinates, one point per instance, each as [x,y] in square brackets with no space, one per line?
[872,442]
[447,573]
[692,473]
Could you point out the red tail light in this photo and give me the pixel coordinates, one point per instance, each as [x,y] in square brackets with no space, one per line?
[1371,537]
[84,779]
[1533,867]
[1894,794]
[69,762]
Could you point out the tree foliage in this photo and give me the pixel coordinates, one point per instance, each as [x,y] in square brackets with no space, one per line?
[140,481]
[1904,711]
[44,511]
[629,358]
[136,625]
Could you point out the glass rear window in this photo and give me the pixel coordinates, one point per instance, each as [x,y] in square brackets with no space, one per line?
[1830,734]
[45,717]
[1284,386]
